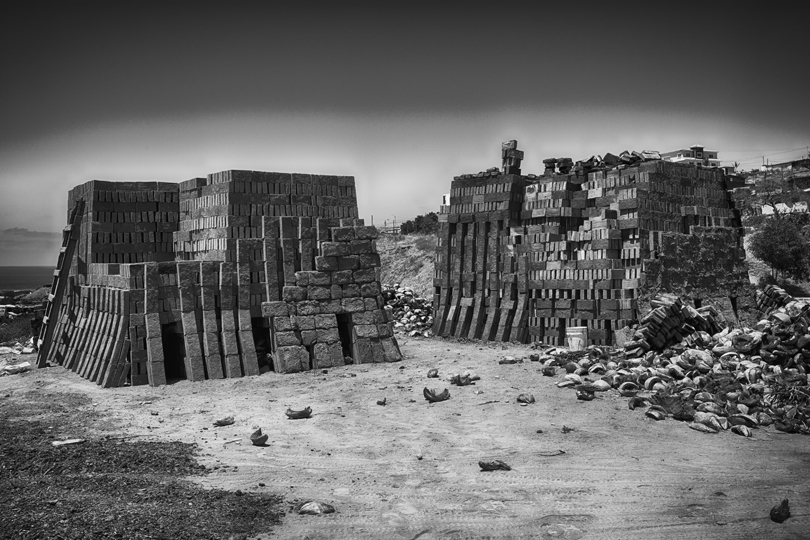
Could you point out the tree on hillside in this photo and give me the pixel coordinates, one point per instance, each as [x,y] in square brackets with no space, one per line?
[781,245]
[424,224]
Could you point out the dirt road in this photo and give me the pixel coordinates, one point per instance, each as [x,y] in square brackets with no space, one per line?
[409,469]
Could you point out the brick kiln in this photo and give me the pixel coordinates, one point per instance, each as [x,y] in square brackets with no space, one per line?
[223,276]
[526,257]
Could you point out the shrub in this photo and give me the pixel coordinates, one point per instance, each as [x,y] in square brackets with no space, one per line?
[781,245]
[424,224]
[17,329]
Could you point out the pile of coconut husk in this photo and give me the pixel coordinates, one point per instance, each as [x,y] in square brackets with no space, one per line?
[412,315]
[733,379]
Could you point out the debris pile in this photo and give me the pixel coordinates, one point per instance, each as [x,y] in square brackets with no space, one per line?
[729,379]
[15,347]
[412,315]
[672,322]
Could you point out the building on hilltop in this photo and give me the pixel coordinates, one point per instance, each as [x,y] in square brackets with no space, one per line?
[223,276]
[526,257]
[694,155]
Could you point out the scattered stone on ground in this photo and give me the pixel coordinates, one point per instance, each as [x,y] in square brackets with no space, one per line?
[496,465]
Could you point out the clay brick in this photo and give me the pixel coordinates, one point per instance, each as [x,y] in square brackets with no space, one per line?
[305,322]
[333,306]
[285,339]
[348,262]
[292,359]
[336,351]
[321,279]
[363,352]
[343,277]
[154,350]
[391,350]
[365,275]
[302,278]
[325,321]
[364,317]
[343,234]
[361,246]
[156,372]
[213,364]
[366,330]
[352,305]
[370,289]
[336,249]
[275,309]
[351,291]
[318,293]
[327,335]
[294,294]
[326,264]
[283,324]
[322,356]
[309,307]
[233,368]
[368,260]
[153,330]
[366,232]
[377,350]
[308,337]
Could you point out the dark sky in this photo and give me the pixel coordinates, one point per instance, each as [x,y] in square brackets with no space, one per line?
[401,95]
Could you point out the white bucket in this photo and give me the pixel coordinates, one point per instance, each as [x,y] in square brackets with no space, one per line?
[576,337]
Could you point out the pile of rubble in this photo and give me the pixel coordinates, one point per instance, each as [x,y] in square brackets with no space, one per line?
[682,365]
[671,322]
[412,315]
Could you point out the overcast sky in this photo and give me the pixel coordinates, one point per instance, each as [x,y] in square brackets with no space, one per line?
[400,95]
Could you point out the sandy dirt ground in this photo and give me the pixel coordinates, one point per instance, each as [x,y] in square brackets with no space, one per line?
[409,469]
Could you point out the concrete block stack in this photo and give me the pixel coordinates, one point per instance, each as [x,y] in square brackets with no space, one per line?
[335,309]
[126,222]
[264,271]
[229,205]
[475,280]
[576,249]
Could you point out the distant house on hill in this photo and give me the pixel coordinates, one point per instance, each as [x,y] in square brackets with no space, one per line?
[696,155]
[787,165]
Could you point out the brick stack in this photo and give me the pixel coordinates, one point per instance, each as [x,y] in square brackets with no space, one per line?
[229,205]
[475,280]
[272,270]
[91,340]
[579,249]
[342,291]
[126,222]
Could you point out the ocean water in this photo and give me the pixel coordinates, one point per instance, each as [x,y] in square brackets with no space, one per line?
[25,277]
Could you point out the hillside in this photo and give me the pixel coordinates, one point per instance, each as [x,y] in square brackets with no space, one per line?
[408,260]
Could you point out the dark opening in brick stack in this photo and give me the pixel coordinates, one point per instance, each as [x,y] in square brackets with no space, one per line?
[223,276]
